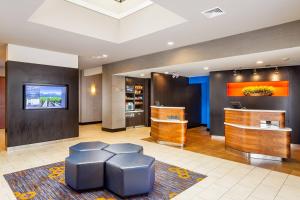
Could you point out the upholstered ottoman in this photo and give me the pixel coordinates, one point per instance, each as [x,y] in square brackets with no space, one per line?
[87,146]
[124,148]
[85,170]
[130,174]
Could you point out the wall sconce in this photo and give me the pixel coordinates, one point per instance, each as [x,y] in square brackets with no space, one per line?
[93,89]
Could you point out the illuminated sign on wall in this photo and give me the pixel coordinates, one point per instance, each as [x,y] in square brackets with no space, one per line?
[269,88]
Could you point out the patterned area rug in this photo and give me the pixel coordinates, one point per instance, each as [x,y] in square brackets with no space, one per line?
[47,183]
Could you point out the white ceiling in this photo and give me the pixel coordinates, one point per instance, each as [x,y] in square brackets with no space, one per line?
[241,16]
[282,57]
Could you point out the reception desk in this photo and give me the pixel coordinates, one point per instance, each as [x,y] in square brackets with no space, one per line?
[247,131]
[168,125]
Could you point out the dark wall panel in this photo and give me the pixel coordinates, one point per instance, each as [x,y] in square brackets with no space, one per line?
[2,102]
[32,126]
[219,99]
[170,91]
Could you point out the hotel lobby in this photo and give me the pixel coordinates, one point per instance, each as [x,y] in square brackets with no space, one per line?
[149,100]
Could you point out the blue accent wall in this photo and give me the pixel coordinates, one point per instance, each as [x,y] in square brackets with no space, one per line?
[205,105]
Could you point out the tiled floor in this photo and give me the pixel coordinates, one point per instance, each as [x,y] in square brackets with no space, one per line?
[227,180]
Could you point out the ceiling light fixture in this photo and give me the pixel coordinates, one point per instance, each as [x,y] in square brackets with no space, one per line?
[235,73]
[206,68]
[259,62]
[166,72]
[175,75]
[100,56]
[276,71]
[142,74]
[120,1]
[171,43]
[254,72]
[285,59]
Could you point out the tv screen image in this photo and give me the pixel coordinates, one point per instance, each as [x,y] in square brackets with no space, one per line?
[45,96]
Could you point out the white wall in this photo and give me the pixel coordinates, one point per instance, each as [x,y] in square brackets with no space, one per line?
[40,56]
[90,106]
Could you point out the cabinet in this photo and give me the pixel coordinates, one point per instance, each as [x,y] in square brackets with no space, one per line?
[135,102]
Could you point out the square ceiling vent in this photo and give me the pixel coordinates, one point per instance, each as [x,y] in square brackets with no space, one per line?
[213,12]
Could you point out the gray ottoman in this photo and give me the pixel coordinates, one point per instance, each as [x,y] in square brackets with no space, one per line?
[124,148]
[130,174]
[85,170]
[87,146]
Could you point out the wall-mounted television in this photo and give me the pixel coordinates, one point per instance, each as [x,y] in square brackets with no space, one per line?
[39,96]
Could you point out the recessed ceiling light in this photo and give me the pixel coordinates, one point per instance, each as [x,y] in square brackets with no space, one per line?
[171,43]
[206,68]
[100,56]
[142,74]
[259,62]
[285,59]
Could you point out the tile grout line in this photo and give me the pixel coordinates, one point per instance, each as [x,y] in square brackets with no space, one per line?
[259,183]
[238,182]
[282,185]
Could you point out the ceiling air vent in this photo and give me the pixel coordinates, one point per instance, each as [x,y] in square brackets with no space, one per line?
[214,12]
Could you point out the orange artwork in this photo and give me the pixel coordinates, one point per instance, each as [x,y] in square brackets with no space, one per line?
[269,88]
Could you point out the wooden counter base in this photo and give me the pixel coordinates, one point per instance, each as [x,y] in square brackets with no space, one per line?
[273,143]
[173,133]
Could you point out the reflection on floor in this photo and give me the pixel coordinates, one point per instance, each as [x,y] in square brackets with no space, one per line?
[200,141]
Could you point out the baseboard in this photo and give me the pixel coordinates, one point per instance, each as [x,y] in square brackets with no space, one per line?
[88,123]
[39,144]
[113,130]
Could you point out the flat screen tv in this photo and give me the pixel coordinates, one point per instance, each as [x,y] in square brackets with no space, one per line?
[37,96]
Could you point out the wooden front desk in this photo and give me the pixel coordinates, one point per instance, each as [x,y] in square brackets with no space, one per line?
[243,132]
[168,125]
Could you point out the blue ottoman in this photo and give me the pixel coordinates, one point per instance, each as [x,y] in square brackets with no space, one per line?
[130,174]
[85,170]
[87,146]
[124,148]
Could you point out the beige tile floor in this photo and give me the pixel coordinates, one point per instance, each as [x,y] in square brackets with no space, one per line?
[226,180]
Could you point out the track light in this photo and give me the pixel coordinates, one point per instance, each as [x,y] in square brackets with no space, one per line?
[235,73]
[254,72]
[276,71]
[175,75]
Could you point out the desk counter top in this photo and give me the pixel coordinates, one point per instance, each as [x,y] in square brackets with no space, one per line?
[167,107]
[255,110]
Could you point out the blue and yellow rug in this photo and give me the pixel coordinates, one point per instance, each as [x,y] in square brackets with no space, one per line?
[47,183]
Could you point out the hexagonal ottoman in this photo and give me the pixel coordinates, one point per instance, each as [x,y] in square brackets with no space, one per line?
[124,148]
[87,146]
[130,174]
[85,170]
